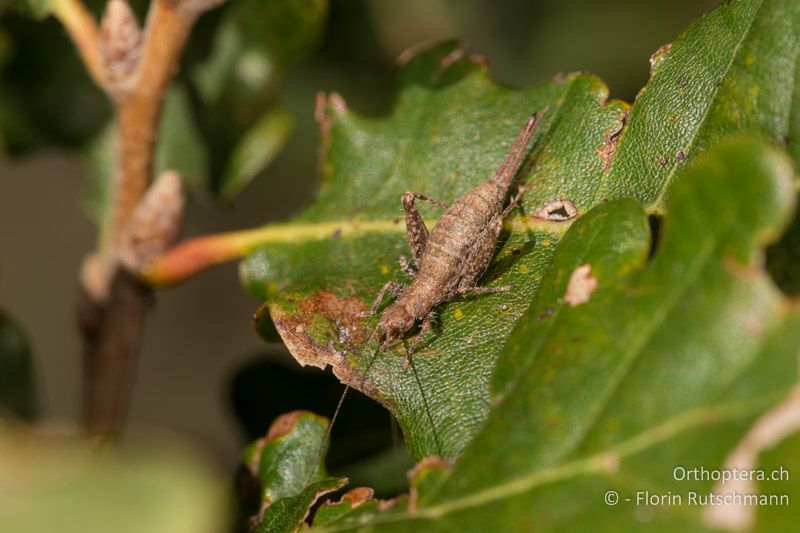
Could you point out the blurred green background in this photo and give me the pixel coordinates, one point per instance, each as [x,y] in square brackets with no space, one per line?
[199,338]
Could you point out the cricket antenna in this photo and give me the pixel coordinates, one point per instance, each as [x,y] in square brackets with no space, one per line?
[427,409]
[327,437]
[336,411]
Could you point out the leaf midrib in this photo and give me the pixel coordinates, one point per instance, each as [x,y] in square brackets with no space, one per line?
[597,463]
[248,241]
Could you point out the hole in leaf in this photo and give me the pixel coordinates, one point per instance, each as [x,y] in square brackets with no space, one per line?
[557,210]
[783,259]
[655,222]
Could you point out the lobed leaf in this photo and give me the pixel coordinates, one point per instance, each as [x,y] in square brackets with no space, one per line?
[440,140]
[732,70]
[667,364]
[286,464]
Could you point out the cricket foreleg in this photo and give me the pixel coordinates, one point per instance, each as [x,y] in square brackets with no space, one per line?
[515,201]
[416,230]
[395,288]
[424,328]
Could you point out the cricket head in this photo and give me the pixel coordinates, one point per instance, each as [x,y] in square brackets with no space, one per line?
[393,325]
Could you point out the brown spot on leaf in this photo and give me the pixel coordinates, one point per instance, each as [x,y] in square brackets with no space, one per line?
[611,463]
[658,56]
[320,493]
[385,505]
[322,103]
[337,104]
[581,285]
[419,469]
[283,425]
[344,316]
[557,210]
[480,60]
[361,495]
[357,496]
[609,146]
[453,57]
[411,52]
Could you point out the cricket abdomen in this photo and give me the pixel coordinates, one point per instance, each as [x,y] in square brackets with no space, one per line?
[449,245]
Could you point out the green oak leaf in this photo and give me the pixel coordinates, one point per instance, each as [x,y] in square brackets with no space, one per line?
[240,83]
[256,39]
[786,456]
[731,70]
[444,136]
[256,149]
[286,463]
[17,384]
[667,362]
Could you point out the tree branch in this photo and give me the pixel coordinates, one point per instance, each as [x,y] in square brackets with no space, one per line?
[135,70]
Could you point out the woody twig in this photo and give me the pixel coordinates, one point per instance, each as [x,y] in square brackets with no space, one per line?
[134,67]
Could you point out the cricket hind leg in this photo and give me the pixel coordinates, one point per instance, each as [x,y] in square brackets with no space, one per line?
[393,287]
[515,201]
[478,260]
[416,230]
[482,253]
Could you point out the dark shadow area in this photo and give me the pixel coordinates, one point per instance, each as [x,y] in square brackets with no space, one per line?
[264,389]
[655,222]
[783,259]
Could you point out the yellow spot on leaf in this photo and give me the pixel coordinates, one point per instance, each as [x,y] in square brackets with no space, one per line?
[458,314]
[546,242]
[523,269]
[384,269]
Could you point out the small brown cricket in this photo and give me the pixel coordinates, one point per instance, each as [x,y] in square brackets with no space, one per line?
[453,257]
